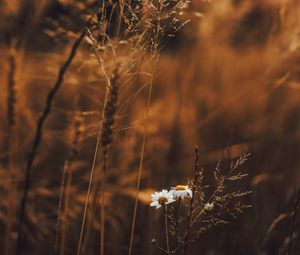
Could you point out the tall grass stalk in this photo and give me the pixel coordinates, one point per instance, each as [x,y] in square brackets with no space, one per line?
[140,165]
[11,119]
[91,178]
[64,226]
[158,29]
[104,139]
[60,206]
[66,182]
[38,134]
[191,209]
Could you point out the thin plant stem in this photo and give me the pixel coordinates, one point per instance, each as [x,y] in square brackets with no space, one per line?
[79,249]
[191,203]
[68,182]
[177,220]
[65,208]
[80,243]
[140,166]
[97,199]
[39,129]
[155,55]
[292,228]
[102,216]
[38,137]
[60,205]
[99,141]
[160,248]
[214,193]
[166,229]
[102,237]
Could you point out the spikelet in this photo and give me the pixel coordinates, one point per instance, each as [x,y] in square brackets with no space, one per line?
[66,183]
[11,87]
[77,136]
[109,113]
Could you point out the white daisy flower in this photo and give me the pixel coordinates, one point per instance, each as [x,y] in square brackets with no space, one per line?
[182,191]
[209,206]
[162,197]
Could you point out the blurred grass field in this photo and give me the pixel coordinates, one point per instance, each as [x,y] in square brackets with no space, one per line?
[228,82]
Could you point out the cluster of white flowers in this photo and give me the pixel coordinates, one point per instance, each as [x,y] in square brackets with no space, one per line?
[165,197]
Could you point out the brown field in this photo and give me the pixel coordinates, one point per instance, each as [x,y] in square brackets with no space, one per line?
[105,102]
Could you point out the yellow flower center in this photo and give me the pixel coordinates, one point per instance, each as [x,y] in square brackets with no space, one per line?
[180,187]
[162,200]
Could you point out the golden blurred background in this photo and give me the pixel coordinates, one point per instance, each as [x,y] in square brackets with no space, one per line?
[229,82]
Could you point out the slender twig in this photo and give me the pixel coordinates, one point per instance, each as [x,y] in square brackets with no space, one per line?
[166,228]
[160,248]
[66,195]
[293,216]
[217,189]
[95,202]
[79,249]
[102,209]
[177,220]
[68,183]
[140,165]
[60,204]
[38,135]
[191,202]
[102,226]
[110,98]
[155,55]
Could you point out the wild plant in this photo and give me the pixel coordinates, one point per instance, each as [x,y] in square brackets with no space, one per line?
[121,51]
[191,210]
